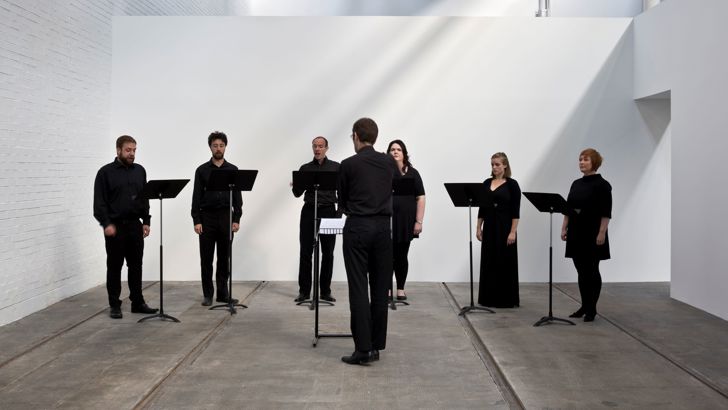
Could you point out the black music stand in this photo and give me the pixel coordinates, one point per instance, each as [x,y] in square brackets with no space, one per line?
[231,181]
[547,202]
[316,335]
[161,189]
[400,187]
[470,194]
[315,180]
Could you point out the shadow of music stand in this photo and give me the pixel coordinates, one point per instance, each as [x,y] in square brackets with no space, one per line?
[161,189]
[315,181]
[400,187]
[231,181]
[470,195]
[327,228]
[548,202]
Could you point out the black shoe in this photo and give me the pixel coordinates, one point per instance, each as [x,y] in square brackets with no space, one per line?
[143,308]
[374,355]
[301,298]
[207,301]
[578,313]
[328,298]
[357,358]
[589,318]
[115,313]
[228,300]
[404,297]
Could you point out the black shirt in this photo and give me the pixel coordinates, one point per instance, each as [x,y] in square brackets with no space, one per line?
[118,193]
[365,183]
[204,200]
[324,197]
[589,200]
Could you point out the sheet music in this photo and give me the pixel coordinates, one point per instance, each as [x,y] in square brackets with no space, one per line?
[331,226]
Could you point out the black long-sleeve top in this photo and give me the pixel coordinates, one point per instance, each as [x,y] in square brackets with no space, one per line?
[118,193]
[324,197]
[365,183]
[204,200]
[589,200]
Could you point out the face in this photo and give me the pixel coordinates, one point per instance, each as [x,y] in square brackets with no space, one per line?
[585,164]
[396,152]
[218,149]
[497,167]
[319,148]
[126,153]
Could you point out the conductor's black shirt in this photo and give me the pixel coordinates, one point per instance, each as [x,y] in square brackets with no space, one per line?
[324,197]
[204,200]
[365,183]
[118,194]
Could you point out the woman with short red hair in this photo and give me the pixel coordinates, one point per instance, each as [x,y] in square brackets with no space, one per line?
[585,230]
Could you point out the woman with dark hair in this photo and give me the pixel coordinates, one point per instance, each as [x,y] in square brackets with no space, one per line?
[496,229]
[585,230]
[407,216]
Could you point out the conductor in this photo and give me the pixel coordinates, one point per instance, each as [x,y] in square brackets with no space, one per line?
[365,196]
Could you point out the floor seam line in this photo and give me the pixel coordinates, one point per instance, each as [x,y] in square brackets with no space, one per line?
[496,373]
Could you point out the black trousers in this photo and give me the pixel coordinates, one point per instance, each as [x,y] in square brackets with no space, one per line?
[327,244]
[215,233]
[368,255]
[401,263]
[128,244]
[590,283]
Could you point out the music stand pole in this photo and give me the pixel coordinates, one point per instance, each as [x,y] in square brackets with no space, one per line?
[230,306]
[316,300]
[160,189]
[472,306]
[550,318]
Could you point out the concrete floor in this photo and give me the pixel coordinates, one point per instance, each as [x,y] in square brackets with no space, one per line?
[646,351]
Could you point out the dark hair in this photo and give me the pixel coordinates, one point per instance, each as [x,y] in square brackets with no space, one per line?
[594,156]
[405,154]
[123,140]
[217,135]
[366,129]
[504,158]
[323,138]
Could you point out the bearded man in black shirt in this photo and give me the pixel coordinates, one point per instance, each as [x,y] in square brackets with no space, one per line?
[211,217]
[119,206]
[365,196]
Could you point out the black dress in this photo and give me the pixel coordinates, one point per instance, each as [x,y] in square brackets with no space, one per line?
[498,260]
[589,200]
[405,209]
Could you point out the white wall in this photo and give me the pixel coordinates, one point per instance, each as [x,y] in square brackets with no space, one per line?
[680,48]
[455,89]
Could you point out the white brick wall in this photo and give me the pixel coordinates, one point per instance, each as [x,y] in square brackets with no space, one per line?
[55,86]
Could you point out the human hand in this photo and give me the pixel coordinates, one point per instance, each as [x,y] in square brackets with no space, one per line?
[511,238]
[418,228]
[563,234]
[236,227]
[146,230]
[601,238]
[479,234]
[198,229]
[110,230]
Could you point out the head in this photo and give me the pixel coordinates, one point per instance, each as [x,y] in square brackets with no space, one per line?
[398,151]
[589,161]
[217,141]
[364,132]
[320,146]
[499,165]
[126,149]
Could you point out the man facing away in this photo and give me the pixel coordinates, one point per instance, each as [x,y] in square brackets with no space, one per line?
[211,218]
[326,209]
[365,195]
[123,212]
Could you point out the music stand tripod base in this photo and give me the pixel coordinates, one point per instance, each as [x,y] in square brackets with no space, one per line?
[550,319]
[468,309]
[161,316]
[311,304]
[229,306]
